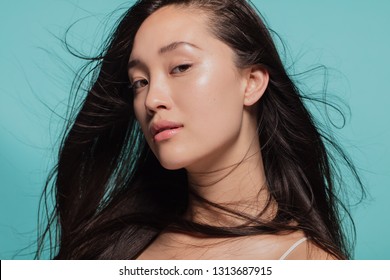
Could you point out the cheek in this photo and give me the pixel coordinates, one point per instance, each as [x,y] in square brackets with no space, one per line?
[139,105]
[136,106]
[140,113]
[212,98]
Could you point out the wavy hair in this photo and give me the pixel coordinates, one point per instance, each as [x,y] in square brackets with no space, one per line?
[112,197]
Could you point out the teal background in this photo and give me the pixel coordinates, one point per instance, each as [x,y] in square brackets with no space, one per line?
[350,37]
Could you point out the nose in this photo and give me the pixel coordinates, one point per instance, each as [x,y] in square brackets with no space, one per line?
[158,98]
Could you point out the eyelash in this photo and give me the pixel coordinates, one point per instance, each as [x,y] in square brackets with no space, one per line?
[132,85]
[185,66]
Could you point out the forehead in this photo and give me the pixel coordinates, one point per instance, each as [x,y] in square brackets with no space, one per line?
[170,24]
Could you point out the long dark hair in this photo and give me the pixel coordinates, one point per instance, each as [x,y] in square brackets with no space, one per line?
[112,196]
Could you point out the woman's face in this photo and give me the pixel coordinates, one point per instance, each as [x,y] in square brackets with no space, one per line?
[188,93]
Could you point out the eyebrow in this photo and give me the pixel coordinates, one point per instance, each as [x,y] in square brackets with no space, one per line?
[168,48]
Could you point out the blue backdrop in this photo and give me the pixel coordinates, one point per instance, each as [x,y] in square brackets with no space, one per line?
[350,37]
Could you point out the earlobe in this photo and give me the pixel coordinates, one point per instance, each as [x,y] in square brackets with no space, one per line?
[257,82]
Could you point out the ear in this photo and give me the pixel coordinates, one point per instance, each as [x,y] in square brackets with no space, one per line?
[257,79]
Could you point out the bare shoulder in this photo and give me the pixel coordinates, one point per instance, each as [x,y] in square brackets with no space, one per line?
[298,247]
[291,246]
[309,251]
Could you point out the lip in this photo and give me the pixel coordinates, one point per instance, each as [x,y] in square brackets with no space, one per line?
[164,130]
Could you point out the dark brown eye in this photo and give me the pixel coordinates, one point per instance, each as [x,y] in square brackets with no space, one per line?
[181,68]
[139,84]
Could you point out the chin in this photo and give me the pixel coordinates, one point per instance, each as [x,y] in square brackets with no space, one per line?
[172,165]
[173,159]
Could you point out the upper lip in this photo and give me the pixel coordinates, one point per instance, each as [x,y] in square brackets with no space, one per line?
[158,126]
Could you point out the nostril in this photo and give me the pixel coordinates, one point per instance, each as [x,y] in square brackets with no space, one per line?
[162,107]
[155,104]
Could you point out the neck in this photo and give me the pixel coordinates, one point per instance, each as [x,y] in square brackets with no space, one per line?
[240,187]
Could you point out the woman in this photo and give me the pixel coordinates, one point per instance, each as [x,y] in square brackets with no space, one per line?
[210,152]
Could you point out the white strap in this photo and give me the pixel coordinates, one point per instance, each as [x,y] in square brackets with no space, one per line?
[292,248]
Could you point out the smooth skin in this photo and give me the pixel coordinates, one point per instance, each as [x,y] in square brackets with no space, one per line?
[181,73]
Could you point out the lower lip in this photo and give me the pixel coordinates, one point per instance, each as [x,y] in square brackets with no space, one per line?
[166,134]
